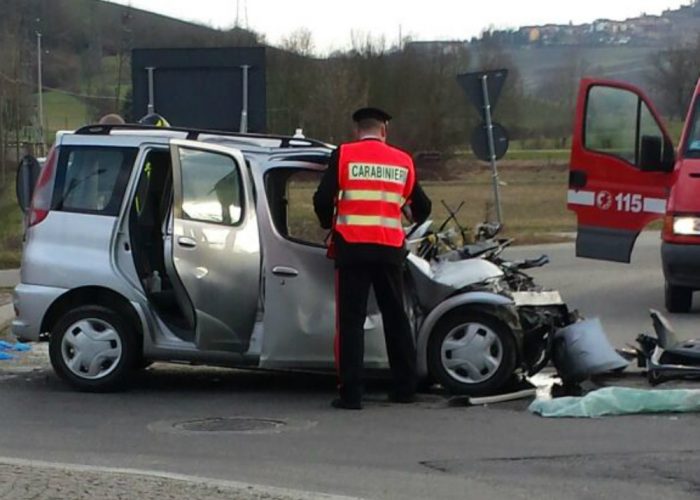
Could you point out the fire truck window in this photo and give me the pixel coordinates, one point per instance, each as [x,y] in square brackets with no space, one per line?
[611,122]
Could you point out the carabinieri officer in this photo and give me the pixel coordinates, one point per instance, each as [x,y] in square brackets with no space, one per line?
[361,198]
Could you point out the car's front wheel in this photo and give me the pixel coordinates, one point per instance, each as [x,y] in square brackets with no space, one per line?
[94,349]
[679,299]
[473,353]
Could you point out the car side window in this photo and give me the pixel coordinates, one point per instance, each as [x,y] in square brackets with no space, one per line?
[211,187]
[616,121]
[290,193]
[92,180]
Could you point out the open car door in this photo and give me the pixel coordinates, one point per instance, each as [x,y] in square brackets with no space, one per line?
[215,244]
[621,168]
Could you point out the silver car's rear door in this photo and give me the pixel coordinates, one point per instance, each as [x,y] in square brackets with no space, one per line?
[216,242]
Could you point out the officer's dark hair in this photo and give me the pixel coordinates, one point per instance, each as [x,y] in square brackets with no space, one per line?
[369,124]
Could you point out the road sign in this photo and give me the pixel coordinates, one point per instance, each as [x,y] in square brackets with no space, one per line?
[480,141]
[472,85]
[483,89]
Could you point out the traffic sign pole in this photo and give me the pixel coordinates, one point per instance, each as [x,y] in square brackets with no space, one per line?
[492,148]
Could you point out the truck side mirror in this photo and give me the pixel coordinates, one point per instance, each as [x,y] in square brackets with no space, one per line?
[656,155]
[650,154]
[668,158]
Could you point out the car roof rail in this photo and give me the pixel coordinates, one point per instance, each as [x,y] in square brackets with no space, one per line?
[317,156]
[194,134]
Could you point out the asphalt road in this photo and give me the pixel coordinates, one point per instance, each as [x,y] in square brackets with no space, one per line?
[422,450]
[620,294]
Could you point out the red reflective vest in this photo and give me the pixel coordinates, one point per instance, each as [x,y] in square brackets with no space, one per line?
[374,180]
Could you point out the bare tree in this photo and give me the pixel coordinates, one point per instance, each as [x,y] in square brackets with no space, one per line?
[14,93]
[674,76]
[300,42]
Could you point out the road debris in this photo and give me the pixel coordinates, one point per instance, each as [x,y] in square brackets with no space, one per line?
[620,401]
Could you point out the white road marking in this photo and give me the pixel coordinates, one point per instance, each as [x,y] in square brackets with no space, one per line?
[237,485]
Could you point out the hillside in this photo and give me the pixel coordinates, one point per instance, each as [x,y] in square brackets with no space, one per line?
[83,39]
[540,66]
[622,50]
[86,73]
[87,46]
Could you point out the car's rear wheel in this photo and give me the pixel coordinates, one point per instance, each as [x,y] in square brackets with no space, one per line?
[94,349]
[472,353]
[679,299]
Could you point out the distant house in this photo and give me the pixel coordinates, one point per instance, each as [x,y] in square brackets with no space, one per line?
[643,30]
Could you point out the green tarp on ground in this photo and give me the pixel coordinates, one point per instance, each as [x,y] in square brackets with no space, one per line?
[620,401]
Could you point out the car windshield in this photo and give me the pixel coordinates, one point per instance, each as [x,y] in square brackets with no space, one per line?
[693,148]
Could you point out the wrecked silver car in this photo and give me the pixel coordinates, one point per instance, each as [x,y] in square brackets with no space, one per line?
[150,244]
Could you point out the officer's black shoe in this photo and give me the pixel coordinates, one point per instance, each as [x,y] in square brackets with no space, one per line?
[344,404]
[403,398]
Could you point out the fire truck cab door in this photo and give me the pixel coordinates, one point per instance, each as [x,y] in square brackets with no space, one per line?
[621,168]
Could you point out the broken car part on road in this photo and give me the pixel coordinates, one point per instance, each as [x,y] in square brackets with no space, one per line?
[665,357]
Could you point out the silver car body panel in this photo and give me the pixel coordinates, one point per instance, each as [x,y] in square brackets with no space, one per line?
[465,272]
[299,302]
[31,303]
[439,281]
[71,250]
[217,263]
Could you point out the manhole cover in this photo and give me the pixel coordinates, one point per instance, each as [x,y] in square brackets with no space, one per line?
[230,424]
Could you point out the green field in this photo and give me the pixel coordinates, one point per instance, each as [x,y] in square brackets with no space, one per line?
[534,203]
[533,200]
[64,112]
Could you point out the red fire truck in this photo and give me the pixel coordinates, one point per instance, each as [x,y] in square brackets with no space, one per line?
[626,173]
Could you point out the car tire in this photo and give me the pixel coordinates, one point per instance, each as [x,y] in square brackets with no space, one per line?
[480,370]
[679,299]
[94,349]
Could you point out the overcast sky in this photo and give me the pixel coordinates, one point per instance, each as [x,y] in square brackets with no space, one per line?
[331,21]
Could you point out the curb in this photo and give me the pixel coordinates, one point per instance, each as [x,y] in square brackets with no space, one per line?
[227,484]
[9,278]
[7,314]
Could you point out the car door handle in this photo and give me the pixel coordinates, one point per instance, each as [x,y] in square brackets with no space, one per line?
[285,271]
[186,242]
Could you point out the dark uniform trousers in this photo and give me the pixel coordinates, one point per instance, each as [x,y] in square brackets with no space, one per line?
[353,281]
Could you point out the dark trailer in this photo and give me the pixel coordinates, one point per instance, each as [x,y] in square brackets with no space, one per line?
[219,88]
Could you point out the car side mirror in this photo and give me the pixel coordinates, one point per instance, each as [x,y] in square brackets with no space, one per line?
[656,155]
[27,174]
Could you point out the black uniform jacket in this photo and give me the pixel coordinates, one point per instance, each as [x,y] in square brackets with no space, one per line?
[346,253]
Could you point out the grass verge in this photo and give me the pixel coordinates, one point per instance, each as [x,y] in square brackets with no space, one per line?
[11,230]
[533,201]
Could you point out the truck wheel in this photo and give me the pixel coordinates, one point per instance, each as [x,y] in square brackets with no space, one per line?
[94,349]
[679,299]
[471,353]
